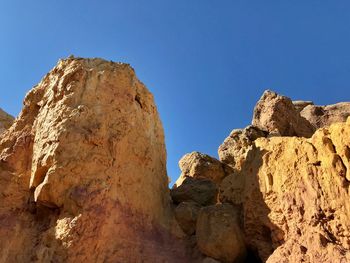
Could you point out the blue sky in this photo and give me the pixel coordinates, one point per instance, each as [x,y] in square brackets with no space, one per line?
[206,62]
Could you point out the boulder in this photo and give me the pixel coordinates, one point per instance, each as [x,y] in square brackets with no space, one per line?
[324,116]
[277,115]
[199,190]
[234,149]
[199,165]
[301,104]
[83,171]
[219,235]
[186,214]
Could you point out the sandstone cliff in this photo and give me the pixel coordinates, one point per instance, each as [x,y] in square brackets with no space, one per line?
[83,171]
[83,179]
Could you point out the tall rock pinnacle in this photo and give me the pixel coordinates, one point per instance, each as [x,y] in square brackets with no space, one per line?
[83,171]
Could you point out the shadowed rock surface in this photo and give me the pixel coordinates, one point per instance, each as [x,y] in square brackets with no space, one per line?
[219,234]
[199,190]
[186,213]
[301,104]
[233,151]
[324,116]
[6,121]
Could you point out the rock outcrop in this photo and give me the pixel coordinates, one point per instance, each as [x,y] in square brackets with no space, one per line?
[199,190]
[277,115]
[186,213]
[287,192]
[199,165]
[83,179]
[294,192]
[324,116]
[6,121]
[233,151]
[83,171]
[219,234]
[301,104]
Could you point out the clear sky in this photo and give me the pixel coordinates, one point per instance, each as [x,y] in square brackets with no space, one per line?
[206,62]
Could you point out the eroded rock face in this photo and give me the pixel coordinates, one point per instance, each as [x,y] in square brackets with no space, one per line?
[290,191]
[233,151]
[83,171]
[324,116]
[294,192]
[199,190]
[200,165]
[219,235]
[277,115]
[186,214]
[83,178]
[6,121]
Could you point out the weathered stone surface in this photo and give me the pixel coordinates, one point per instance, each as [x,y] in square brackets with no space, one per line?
[199,165]
[218,233]
[301,104]
[6,120]
[294,192]
[199,190]
[231,189]
[324,116]
[277,115]
[83,171]
[186,214]
[233,151]
[210,260]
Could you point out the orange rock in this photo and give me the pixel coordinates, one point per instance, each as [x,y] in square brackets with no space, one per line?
[200,165]
[83,171]
[294,193]
[219,234]
[277,115]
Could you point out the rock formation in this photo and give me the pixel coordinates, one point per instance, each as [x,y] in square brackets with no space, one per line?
[236,146]
[294,193]
[301,104]
[277,115]
[199,165]
[83,172]
[219,234]
[83,179]
[324,116]
[6,121]
[286,196]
